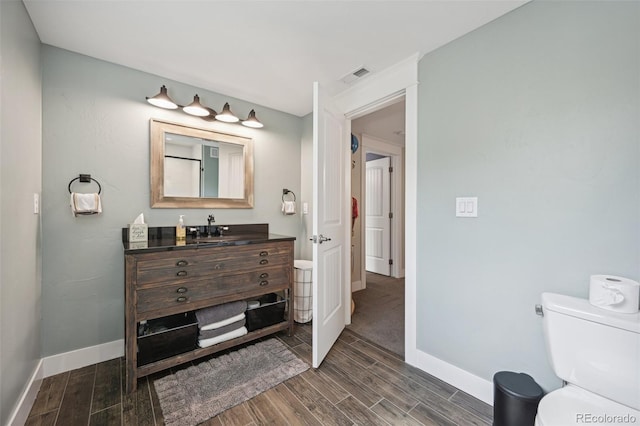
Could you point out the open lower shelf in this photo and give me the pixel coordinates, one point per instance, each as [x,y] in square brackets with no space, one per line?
[154,367]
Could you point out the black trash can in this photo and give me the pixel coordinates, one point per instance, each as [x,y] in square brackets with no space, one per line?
[515,399]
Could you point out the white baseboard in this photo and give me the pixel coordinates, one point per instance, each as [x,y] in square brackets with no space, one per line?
[456,376]
[356,286]
[20,414]
[60,363]
[79,358]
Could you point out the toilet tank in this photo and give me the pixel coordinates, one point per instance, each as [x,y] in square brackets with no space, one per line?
[595,349]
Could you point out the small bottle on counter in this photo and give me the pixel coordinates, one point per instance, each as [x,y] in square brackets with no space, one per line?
[181,230]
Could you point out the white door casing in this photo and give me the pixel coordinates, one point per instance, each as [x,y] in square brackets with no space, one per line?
[331,213]
[377,220]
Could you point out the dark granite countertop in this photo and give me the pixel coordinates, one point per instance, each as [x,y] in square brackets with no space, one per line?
[164,239]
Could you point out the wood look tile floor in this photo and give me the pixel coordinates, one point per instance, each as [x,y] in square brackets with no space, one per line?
[359,383]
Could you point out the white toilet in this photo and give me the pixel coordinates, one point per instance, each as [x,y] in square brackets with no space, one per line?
[597,353]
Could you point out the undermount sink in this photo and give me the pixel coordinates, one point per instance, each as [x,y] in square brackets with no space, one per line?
[226,234]
[217,240]
[223,240]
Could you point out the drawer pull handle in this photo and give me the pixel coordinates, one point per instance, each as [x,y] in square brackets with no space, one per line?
[263,283]
[181,299]
[182,273]
[264,253]
[264,275]
[264,261]
[218,266]
[181,290]
[182,263]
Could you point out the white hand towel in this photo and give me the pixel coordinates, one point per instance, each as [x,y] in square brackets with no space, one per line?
[85,204]
[289,207]
[222,323]
[203,343]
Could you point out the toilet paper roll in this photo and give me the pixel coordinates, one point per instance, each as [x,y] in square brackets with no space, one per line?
[616,294]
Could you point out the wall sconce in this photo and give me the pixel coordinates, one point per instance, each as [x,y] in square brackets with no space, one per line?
[252,121]
[226,115]
[163,100]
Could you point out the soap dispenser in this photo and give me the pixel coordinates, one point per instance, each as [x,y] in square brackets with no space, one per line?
[181,230]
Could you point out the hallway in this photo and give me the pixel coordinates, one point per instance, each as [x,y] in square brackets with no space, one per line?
[379,313]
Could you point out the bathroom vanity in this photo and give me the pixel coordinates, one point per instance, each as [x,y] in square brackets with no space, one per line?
[165,279]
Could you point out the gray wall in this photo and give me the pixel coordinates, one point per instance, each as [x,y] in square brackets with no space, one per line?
[20,178]
[96,120]
[538,115]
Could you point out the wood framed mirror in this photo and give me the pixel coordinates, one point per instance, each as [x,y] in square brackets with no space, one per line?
[192,167]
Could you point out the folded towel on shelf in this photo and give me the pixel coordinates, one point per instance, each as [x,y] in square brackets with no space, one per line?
[219,324]
[203,343]
[214,332]
[85,204]
[219,313]
[226,324]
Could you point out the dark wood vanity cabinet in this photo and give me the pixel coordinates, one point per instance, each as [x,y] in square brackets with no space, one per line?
[177,280]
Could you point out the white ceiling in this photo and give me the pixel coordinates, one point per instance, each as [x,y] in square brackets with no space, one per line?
[264,52]
[386,124]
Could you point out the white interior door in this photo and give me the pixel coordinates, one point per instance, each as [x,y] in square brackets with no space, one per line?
[331,214]
[182,177]
[377,221]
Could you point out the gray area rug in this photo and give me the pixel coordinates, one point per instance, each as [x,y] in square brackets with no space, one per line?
[197,393]
[379,314]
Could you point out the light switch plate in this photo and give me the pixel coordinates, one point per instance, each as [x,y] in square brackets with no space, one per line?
[466,206]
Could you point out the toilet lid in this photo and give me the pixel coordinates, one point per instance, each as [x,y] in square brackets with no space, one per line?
[572,405]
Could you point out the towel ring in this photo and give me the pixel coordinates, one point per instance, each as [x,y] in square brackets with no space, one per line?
[85,178]
[285,191]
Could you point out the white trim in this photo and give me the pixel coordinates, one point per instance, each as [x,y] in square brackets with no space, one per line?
[393,98]
[379,88]
[366,96]
[410,222]
[79,358]
[456,376]
[381,146]
[21,412]
[356,286]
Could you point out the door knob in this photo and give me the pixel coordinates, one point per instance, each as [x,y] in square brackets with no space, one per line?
[319,239]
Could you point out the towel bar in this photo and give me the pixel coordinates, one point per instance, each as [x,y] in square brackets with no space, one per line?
[85,178]
[285,191]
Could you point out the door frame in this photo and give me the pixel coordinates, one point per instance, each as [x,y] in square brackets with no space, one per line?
[376,92]
[395,152]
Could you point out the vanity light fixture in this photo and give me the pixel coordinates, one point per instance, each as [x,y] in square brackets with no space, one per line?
[252,121]
[163,100]
[226,115]
[195,108]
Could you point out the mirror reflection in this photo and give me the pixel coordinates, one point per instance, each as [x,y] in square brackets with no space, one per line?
[192,167]
[195,167]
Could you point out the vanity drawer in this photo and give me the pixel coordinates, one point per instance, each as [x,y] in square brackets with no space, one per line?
[169,297]
[209,263]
